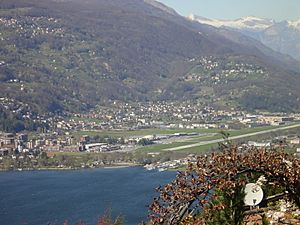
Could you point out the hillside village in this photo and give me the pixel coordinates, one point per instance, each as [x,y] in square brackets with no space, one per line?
[31,26]
[212,70]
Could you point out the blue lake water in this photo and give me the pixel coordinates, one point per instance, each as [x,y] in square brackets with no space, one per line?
[41,197]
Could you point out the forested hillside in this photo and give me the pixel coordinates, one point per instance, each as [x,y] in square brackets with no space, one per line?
[72,55]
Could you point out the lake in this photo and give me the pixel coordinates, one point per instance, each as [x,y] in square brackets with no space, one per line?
[41,197]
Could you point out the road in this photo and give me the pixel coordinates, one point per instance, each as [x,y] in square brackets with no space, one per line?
[231,138]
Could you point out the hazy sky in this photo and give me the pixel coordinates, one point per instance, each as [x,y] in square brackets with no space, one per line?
[233,9]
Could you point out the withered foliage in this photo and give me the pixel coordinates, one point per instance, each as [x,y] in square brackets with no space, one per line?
[105,219]
[194,191]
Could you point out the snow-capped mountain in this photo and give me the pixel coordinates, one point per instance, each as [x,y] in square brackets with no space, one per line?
[281,36]
[249,23]
[294,24]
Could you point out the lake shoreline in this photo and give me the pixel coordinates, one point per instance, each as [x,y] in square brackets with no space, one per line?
[113,166]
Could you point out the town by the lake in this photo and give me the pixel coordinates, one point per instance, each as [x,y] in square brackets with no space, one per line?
[159,135]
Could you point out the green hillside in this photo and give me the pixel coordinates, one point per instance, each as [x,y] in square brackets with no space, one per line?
[70,56]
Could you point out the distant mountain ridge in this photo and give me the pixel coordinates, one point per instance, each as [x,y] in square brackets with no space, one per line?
[72,55]
[281,36]
[161,6]
[248,23]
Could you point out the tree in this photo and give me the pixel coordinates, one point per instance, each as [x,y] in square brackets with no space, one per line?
[145,141]
[106,219]
[214,186]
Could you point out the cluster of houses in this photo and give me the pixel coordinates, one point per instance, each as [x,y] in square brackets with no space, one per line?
[168,115]
[217,70]
[11,143]
[266,120]
[133,116]
[173,164]
[34,25]
[292,142]
[15,106]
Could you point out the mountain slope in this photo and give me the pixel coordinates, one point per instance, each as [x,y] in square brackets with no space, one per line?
[73,54]
[282,36]
[91,46]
